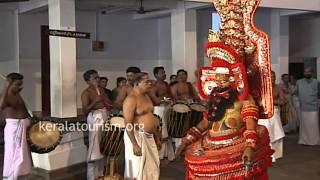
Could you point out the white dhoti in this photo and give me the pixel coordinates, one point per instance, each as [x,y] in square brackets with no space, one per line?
[95,159]
[296,104]
[293,116]
[276,133]
[145,167]
[166,146]
[17,158]
[309,128]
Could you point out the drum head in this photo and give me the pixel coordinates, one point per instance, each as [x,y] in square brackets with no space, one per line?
[182,108]
[43,136]
[117,121]
[198,107]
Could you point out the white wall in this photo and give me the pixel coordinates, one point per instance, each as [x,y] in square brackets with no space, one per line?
[30,56]
[204,22]
[8,47]
[128,42]
[305,38]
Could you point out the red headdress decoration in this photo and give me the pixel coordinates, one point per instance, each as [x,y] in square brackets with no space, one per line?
[242,51]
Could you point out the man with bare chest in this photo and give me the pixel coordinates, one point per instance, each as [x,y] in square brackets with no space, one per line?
[126,90]
[160,94]
[184,91]
[141,137]
[96,106]
[17,160]
[274,124]
[160,88]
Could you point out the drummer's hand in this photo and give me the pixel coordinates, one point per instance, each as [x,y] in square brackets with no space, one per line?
[159,144]
[180,150]
[137,150]
[98,99]
[8,83]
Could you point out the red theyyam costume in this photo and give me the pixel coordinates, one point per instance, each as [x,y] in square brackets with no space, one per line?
[240,53]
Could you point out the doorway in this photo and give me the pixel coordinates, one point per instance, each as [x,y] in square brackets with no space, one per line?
[45,71]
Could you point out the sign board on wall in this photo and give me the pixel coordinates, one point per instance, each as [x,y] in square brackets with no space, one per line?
[69,34]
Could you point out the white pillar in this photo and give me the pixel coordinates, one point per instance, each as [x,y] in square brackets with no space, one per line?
[279,43]
[62,60]
[184,39]
[63,88]
[274,37]
[284,44]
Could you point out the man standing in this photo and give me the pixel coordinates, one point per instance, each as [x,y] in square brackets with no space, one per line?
[160,91]
[17,160]
[126,90]
[183,90]
[160,88]
[96,106]
[288,112]
[104,84]
[308,92]
[274,126]
[141,135]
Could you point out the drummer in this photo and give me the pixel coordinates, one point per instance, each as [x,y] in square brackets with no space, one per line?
[17,160]
[160,88]
[161,95]
[96,106]
[184,91]
[126,90]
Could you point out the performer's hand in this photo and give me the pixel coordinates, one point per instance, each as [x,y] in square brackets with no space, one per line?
[180,150]
[137,150]
[248,154]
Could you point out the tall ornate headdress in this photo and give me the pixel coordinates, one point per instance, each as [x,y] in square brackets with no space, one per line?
[242,51]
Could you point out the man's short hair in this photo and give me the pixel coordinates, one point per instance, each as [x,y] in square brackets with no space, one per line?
[15,76]
[133,69]
[119,79]
[157,69]
[173,75]
[284,75]
[138,78]
[104,78]
[182,70]
[87,74]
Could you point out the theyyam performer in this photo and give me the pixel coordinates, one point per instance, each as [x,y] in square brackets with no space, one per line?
[228,143]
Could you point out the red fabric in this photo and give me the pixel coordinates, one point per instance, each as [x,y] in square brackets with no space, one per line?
[225,162]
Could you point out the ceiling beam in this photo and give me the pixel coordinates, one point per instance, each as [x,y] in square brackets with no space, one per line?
[32,6]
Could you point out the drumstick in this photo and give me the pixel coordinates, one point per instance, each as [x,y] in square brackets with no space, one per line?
[98,91]
[3,77]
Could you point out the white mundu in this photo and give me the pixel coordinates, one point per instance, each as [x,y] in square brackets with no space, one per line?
[146,166]
[166,147]
[276,133]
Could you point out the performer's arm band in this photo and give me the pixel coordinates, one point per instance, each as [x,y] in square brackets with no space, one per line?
[251,138]
[192,136]
[249,112]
